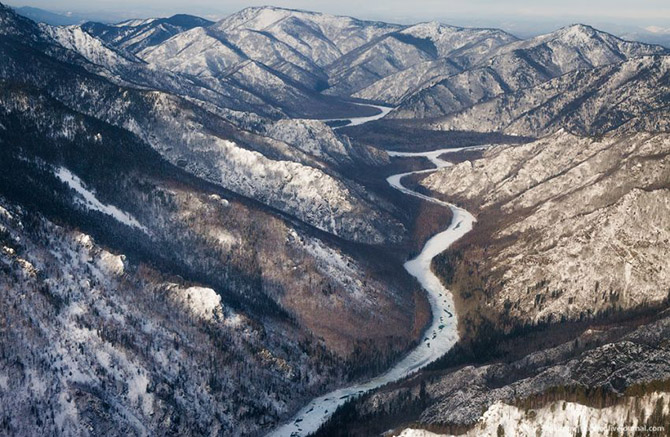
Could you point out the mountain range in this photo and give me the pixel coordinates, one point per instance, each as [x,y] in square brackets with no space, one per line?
[196,239]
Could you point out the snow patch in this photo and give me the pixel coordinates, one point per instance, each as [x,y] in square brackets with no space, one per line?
[91,202]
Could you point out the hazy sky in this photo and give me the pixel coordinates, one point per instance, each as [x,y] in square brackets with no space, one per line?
[622,12]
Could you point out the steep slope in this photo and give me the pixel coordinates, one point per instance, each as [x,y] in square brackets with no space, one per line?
[634,94]
[91,48]
[251,304]
[591,215]
[269,70]
[396,87]
[321,38]
[415,45]
[277,54]
[193,51]
[210,147]
[561,291]
[134,36]
[521,65]
[217,52]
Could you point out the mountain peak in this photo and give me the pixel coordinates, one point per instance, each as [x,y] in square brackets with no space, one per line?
[429,26]
[188,20]
[579,31]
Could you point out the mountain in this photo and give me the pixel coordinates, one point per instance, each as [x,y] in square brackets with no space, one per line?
[321,38]
[520,65]
[295,43]
[136,35]
[633,95]
[561,291]
[409,47]
[91,48]
[167,279]
[275,53]
[49,17]
[193,240]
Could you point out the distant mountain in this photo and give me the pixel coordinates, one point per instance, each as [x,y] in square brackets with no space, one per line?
[633,95]
[660,38]
[64,18]
[53,18]
[136,35]
[413,46]
[294,44]
[521,65]
[320,37]
[257,50]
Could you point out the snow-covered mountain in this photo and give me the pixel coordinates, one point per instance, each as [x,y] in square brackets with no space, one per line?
[520,65]
[299,62]
[185,248]
[322,38]
[279,54]
[410,49]
[92,49]
[162,285]
[632,95]
[136,35]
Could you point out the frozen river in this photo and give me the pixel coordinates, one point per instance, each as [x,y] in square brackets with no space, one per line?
[440,335]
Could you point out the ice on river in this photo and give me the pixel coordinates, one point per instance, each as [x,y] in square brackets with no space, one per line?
[438,338]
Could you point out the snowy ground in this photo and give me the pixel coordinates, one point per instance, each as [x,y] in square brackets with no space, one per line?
[439,337]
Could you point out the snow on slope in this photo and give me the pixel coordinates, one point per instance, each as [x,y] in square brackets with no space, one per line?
[464,45]
[195,52]
[311,136]
[579,46]
[329,37]
[133,36]
[293,43]
[91,48]
[201,301]
[563,419]
[412,47]
[89,200]
[594,214]
[589,102]
[396,87]
[520,65]
[324,200]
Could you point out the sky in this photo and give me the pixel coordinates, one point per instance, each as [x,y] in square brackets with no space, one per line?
[502,13]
